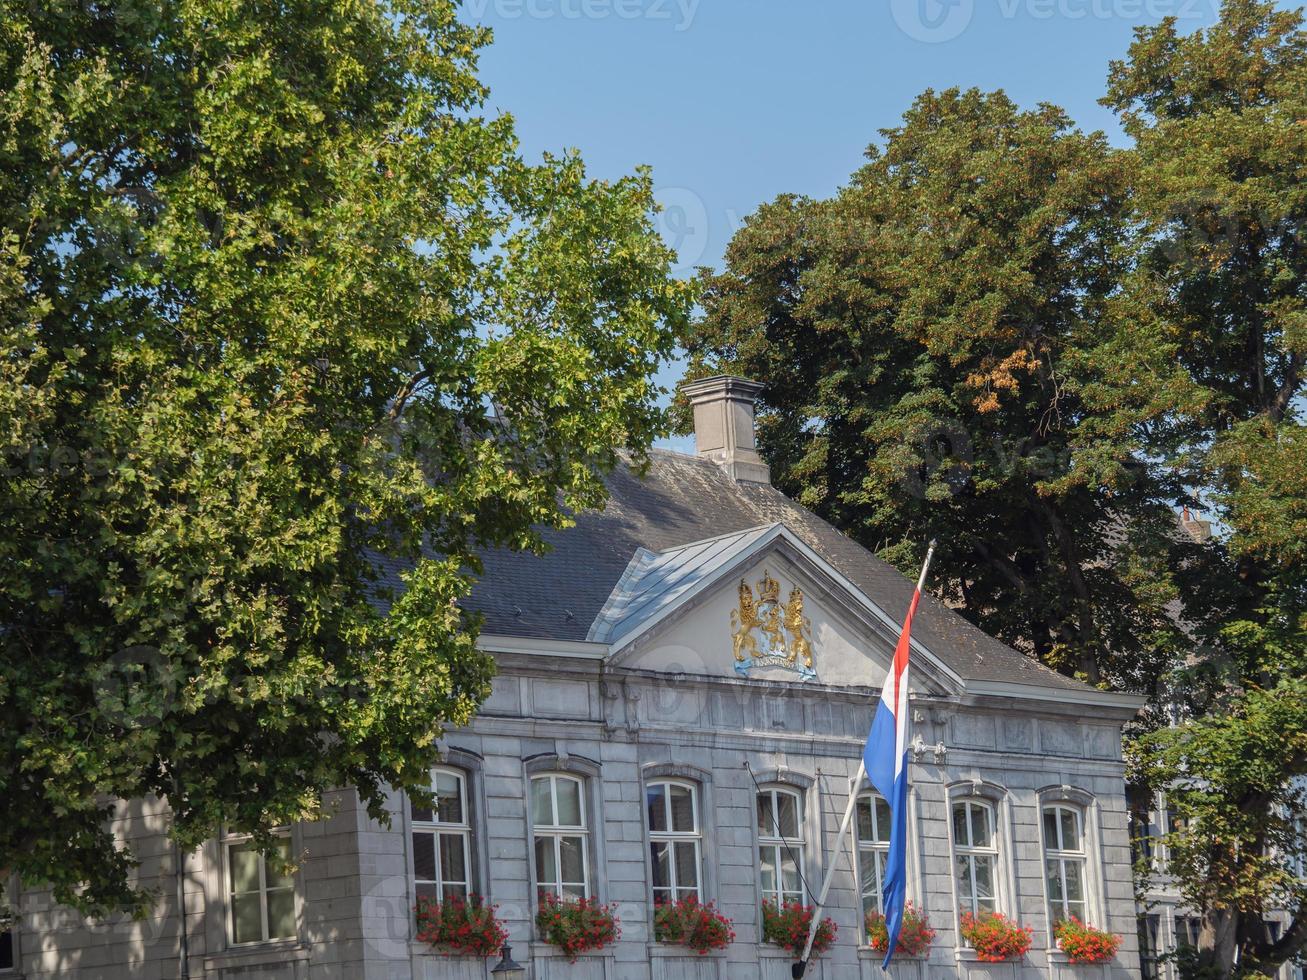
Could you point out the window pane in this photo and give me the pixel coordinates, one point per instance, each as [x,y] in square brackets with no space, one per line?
[882,820]
[246,918]
[572,859]
[1074,881]
[569,803]
[984,876]
[655,799]
[682,809]
[6,950]
[454,891]
[424,857]
[1050,829]
[964,878]
[276,872]
[659,861]
[767,862]
[961,837]
[244,861]
[449,798]
[575,892]
[453,864]
[1054,870]
[766,821]
[866,832]
[687,865]
[542,807]
[869,877]
[546,868]
[422,814]
[787,813]
[281,913]
[982,830]
[789,872]
[427,890]
[1070,831]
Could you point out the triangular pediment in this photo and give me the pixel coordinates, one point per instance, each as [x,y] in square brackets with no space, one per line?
[755,604]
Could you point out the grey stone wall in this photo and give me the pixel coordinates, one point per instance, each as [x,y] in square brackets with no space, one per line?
[614,727]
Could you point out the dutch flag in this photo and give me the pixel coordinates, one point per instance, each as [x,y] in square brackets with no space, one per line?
[886,760]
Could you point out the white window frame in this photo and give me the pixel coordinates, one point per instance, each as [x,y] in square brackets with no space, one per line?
[556,832]
[230,841]
[879,851]
[1054,851]
[969,852]
[671,838]
[436,828]
[769,837]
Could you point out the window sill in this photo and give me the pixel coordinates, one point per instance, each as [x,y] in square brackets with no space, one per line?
[965,954]
[419,948]
[257,955]
[541,951]
[1059,958]
[663,951]
[867,953]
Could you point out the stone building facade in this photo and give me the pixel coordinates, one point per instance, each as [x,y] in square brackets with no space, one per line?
[685,685]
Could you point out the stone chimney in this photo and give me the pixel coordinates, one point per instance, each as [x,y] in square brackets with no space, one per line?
[1199,530]
[723,425]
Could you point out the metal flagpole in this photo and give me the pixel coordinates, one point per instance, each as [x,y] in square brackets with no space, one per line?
[801,967]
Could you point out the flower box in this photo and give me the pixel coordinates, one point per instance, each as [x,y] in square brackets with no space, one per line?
[788,926]
[687,923]
[1083,943]
[915,935]
[460,928]
[994,937]
[576,926]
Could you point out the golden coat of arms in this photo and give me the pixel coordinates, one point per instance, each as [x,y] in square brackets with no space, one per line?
[767,633]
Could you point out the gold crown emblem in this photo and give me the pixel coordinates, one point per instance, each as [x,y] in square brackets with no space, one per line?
[769,589]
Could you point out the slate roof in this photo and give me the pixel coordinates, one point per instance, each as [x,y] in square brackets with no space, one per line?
[684,500]
[657,580]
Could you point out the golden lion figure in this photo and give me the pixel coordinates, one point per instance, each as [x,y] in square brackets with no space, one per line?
[743,624]
[798,626]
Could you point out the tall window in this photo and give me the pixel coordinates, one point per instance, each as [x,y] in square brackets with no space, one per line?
[873,848]
[674,840]
[1150,946]
[260,892]
[780,845]
[1064,862]
[561,837]
[975,856]
[442,839]
[6,950]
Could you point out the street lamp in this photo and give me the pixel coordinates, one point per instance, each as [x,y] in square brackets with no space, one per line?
[508,968]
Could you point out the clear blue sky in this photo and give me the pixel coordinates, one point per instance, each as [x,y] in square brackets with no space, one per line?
[732,102]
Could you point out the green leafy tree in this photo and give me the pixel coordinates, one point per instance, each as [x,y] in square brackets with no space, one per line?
[263,270]
[1219,119]
[942,356]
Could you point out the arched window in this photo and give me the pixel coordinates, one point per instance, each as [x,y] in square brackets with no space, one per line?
[442,839]
[780,845]
[562,836]
[872,839]
[975,856]
[1064,861]
[675,840]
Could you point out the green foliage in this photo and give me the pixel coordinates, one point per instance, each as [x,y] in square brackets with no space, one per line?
[263,268]
[942,358]
[1006,335]
[1218,121]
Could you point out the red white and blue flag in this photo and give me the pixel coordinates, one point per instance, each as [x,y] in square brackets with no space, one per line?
[886,760]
